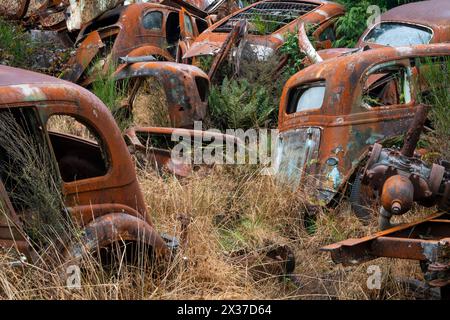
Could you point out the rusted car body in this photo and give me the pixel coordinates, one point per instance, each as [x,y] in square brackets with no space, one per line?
[136,36]
[98,180]
[405,25]
[268,22]
[327,122]
[143,29]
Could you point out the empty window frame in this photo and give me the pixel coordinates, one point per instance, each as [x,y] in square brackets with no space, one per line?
[385,86]
[78,148]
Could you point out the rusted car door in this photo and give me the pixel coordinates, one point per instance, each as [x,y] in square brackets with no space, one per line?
[88,49]
[188,32]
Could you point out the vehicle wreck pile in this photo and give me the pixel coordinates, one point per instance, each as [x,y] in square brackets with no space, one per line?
[335,132]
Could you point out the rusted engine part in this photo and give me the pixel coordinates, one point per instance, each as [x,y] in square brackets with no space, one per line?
[402,179]
[271,260]
[427,241]
[186,88]
[152,146]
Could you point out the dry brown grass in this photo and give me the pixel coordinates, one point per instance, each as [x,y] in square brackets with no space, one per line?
[230,209]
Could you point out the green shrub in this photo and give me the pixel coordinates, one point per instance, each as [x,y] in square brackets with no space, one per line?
[112,92]
[436,78]
[15,45]
[239,104]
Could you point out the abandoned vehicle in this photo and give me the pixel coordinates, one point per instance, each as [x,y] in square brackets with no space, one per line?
[63,159]
[161,32]
[405,25]
[328,123]
[114,39]
[269,20]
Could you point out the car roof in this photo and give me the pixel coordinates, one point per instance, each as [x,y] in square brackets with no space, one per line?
[10,76]
[432,13]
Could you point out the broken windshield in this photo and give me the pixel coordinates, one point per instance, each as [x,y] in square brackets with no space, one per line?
[267,17]
[398,34]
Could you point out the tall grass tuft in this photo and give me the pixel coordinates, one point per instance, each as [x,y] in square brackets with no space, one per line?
[435,77]
[32,177]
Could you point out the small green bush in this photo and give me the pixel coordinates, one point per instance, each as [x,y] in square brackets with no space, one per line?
[239,104]
[15,45]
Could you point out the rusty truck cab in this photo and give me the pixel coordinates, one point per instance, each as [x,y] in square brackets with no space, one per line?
[331,112]
[94,171]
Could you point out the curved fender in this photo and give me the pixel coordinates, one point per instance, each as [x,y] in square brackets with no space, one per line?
[150,50]
[115,227]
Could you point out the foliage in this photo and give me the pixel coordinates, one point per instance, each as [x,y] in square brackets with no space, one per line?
[33,178]
[112,92]
[239,104]
[435,75]
[291,49]
[15,45]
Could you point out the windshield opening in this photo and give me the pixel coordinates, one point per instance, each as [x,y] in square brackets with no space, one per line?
[398,34]
[267,17]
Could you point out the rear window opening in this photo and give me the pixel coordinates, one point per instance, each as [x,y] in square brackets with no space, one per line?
[306,97]
[267,17]
[396,34]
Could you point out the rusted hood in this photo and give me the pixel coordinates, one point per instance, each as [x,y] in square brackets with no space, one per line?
[334,52]
[209,43]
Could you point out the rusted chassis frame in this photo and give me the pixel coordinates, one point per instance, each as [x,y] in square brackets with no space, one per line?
[427,241]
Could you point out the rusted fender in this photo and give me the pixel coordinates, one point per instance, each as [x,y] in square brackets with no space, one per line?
[159,159]
[150,51]
[86,52]
[184,86]
[116,227]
